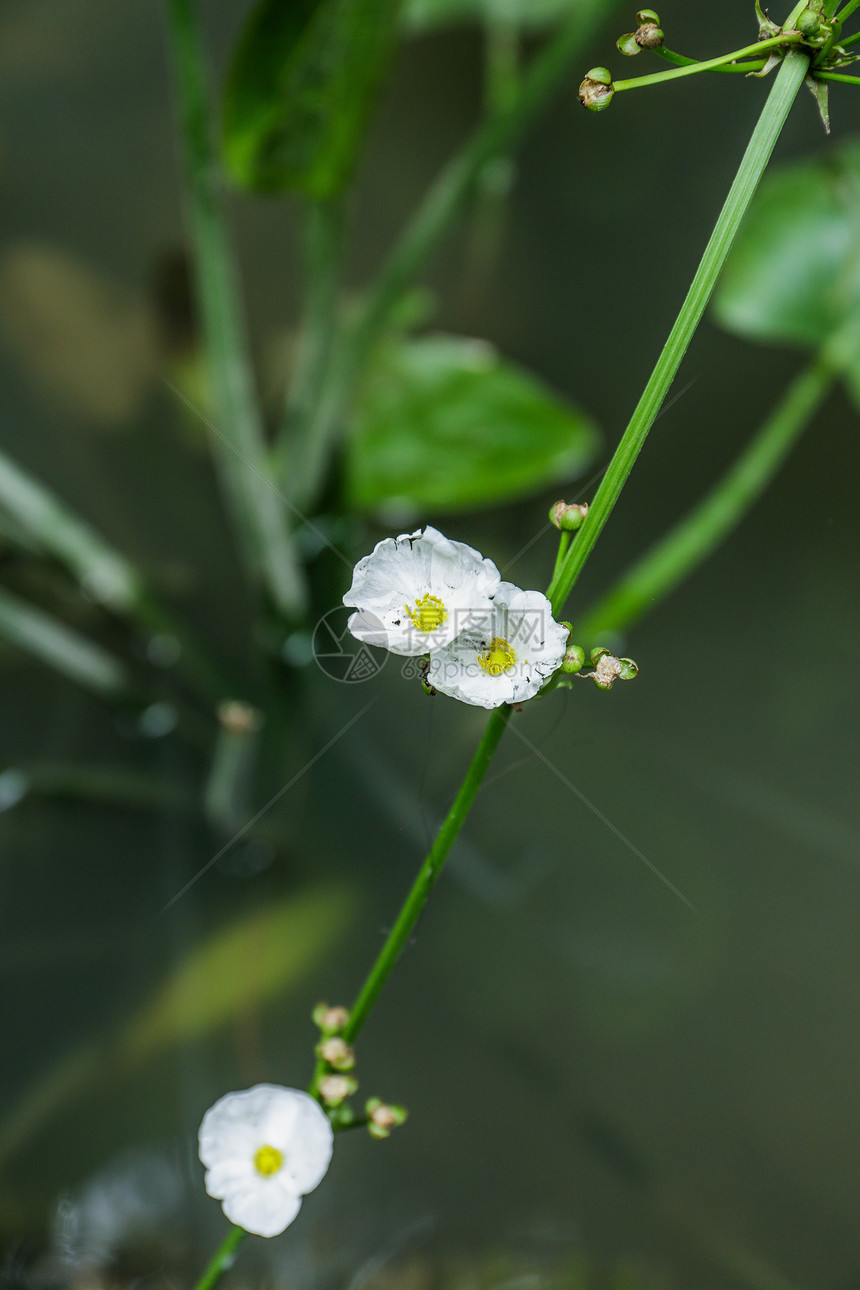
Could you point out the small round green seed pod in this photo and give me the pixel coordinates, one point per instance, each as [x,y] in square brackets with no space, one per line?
[648,15]
[629,669]
[808,22]
[574,660]
[568,516]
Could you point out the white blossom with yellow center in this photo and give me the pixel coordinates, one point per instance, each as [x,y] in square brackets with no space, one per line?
[263,1149]
[418,592]
[507,657]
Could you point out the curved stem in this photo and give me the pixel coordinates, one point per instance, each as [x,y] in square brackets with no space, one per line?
[848,10]
[710,65]
[673,557]
[681,60]
[837,76]
[788,81]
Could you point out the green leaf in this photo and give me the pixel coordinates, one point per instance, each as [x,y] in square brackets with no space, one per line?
[303,83]
[444,422]
[49,640]
[794,274]
[422,15]
[244,965]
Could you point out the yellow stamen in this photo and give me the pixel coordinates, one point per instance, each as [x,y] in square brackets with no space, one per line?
[428,614]
[498,657]
[268,1160]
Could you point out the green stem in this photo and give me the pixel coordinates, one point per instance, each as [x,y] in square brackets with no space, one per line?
[431,222]
[563,544]
[836,76]
[428,875]
[324,236]
[709,65]
[852,40]
[681,60]
[222,1259]
[848,10]
[652,578]
[788,81]
[239,445]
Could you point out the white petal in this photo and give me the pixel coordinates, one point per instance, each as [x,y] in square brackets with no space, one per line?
[523,619]
[229,1176]
[263,1209]
[308,1153]
[400,571]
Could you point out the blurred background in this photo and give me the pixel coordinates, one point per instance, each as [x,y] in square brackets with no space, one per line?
[606,1088]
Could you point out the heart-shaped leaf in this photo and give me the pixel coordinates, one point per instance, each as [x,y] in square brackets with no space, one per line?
[444,422]
[304,80]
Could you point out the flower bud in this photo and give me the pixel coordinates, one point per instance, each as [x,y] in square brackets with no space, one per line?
[239,718]
[334,1088]
[383,1117]
[574,660]
[629,669]
[337,1053]
[596,91]
[330,1020]
[647,15]
[568,516]
[809,21]
[648,36]
[627,44]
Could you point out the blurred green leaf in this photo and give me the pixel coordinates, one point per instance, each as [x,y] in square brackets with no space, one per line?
[303,83]
[50,641]
[420,15]
[794,274]
[252,961]
[247,963]
[443,421]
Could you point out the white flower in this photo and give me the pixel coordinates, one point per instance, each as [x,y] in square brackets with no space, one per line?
[507,657]
[263,1149]
[417,592]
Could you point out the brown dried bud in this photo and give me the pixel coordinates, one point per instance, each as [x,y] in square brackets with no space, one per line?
[648,36]
[239,718]
[596,91]
[606,671]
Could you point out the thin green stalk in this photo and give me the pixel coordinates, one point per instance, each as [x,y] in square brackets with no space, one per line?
[847,11]
[222,1259]
[785,88]
[852,40]
[681,60]
[60,647]
[563,544]
[428,875]
[424,233]
[652,578]
[710,65]
[836,76]
[241,453]
[324,236]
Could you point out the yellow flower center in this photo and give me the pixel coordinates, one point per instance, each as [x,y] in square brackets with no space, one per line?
[498,657]
[268,1160]
[428,614]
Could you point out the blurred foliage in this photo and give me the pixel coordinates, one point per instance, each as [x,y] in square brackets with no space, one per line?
[421,15]
[304,81]
[250,962]
[793,276]
[444,422]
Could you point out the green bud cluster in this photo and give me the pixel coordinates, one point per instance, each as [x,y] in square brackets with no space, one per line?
[647,35]
[382,1117]
[608,669]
